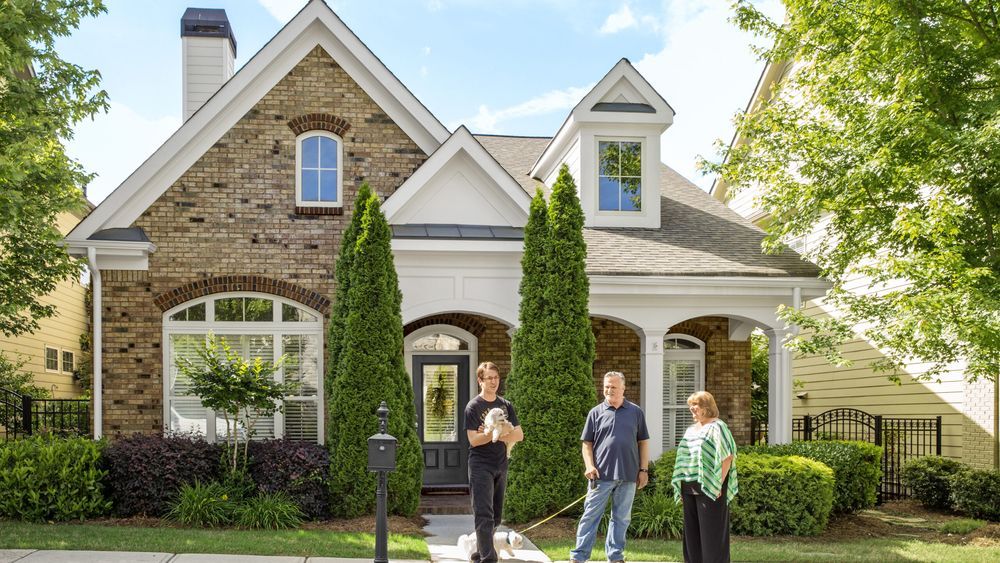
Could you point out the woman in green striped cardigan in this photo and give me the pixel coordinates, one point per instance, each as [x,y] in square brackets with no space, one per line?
[705,481]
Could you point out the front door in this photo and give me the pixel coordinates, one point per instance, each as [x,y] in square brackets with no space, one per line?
[441,391]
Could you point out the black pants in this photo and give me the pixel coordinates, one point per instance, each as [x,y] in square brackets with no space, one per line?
[706,525]
[488,482]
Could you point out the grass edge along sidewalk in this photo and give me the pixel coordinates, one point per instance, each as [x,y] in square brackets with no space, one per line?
[97,537]
[876,549]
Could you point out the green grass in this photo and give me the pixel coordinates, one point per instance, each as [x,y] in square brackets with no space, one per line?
[317,543]
[961,526]
[784,550]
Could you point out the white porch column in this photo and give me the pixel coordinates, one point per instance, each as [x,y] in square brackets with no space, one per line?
[652,388]
[779,389]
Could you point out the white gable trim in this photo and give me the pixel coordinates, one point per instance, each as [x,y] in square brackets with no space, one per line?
[622,77]
[314,25]
[514,207]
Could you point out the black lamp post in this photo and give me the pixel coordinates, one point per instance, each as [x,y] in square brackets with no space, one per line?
[382,460]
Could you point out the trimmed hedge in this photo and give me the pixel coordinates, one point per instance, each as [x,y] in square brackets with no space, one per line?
[781,495]
[299,470]
[930,479]
[45,478]
[976,493]
[857,468]
[145,472]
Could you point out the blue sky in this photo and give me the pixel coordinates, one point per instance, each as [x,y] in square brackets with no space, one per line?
[507,67]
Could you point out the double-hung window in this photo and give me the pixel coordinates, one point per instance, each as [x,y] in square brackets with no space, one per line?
[318,170]
[619,175]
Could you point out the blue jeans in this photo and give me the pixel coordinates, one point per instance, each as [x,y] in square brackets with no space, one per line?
[621,494]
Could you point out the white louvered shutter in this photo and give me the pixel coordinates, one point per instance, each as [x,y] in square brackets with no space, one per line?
[302,406]
[250,346]
[186,411]
[680,380]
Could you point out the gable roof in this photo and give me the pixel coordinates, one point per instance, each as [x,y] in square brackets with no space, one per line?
[699,236]
[315,24]
[621,96]
[486,186]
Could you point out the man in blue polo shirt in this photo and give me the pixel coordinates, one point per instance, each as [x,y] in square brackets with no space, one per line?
[616,456]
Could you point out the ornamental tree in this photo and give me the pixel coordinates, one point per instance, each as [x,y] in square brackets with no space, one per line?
[883,139]
[41,98]
[552,385]
[241,390]
[371,370]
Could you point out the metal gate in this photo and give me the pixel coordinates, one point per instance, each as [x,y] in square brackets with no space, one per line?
[902,439]
[23,415]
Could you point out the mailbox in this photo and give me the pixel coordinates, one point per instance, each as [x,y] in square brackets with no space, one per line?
[381,453]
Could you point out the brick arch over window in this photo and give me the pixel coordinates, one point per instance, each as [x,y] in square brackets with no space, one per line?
[260,284]
[474,325]
[692,327]
[319,121]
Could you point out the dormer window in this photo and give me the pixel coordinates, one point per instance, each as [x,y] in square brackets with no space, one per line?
[619,177]
[318,178]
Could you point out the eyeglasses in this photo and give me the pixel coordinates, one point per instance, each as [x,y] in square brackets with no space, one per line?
[494,378]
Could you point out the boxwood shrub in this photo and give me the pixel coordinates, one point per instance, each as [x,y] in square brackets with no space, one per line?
[857,468]
[976,493]
[781,495]
[930,479]
[145,472]
[298,469]
[46,478]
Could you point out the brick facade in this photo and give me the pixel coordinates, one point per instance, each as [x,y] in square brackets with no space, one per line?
[617,348]
[233,214]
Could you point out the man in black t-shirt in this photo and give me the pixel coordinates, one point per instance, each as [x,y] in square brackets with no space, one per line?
[488,459]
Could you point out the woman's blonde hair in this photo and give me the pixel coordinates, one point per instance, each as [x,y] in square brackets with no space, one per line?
[706,401]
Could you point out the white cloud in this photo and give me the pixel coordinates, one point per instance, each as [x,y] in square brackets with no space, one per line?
[435,5]
[706,73]
[114,144]
[622,19]
[282,10]
[423,72]
[488,121]
[427,51]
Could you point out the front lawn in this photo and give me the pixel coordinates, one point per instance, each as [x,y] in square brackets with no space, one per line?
[784,549]
[103,537]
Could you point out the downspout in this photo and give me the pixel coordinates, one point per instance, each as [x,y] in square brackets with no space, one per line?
[96,345]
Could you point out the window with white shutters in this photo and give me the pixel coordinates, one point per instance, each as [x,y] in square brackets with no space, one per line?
[683,374]
[253,327]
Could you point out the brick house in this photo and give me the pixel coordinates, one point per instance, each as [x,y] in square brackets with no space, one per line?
[233,225]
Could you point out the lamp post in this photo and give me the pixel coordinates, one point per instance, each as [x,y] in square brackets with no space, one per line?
[382,460]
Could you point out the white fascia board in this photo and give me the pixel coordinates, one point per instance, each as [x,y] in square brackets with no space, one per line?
[554,152]
[114,254]
[708,285]
[315,25]
[457,245]
[461,140]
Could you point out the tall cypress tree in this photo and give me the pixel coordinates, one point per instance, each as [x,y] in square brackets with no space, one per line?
[371,370]
[338,317]
[553,388]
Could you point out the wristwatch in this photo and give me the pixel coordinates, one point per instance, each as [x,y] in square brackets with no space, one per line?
[643,471]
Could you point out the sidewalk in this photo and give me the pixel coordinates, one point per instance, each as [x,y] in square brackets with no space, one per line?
[442,542]
[45,556]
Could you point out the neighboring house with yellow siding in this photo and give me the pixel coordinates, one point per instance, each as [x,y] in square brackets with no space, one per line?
[52,353]
[968,410]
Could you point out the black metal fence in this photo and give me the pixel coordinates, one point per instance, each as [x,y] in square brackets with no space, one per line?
[23,415]
[901,439]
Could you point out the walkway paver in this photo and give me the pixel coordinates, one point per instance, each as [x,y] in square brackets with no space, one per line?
[12,555]
[56,556]
[445,529]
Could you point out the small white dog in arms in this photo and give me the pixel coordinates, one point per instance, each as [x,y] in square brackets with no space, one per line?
[497,425]
[503,542]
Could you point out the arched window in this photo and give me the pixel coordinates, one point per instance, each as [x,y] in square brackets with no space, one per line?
[257,326]
[683,374]
[318,178]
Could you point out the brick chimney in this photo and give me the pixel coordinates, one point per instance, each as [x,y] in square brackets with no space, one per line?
[208,51]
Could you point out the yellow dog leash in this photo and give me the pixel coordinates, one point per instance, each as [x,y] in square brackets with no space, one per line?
[560,511]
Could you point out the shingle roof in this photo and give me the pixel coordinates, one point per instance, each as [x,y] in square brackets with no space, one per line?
[699,236]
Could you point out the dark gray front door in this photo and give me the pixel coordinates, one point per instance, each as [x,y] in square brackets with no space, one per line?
[441,391]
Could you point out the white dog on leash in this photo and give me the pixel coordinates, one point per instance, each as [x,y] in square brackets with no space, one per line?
[503,542]
[496,425]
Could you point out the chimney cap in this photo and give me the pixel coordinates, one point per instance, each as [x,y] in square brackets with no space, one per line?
[207,22]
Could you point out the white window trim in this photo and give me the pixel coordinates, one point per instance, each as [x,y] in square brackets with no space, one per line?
[45,359]
[597,176]
[62,362]
[298,170]
[672,354]
[276,328]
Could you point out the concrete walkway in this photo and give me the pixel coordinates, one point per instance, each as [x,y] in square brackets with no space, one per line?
[444,530]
